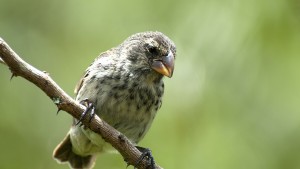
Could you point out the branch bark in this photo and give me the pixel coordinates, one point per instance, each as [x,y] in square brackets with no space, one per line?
[64,102]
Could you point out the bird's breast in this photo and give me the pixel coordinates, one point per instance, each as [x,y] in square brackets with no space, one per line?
[130,108]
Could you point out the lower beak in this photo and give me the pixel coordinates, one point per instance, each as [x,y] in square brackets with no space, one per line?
[164,65]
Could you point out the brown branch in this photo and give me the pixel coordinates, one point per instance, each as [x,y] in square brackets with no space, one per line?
[64,102]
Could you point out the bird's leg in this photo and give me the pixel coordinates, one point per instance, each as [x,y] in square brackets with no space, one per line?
[89,108]
[146,153]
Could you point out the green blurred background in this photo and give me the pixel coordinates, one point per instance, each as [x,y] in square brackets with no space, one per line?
[233,102]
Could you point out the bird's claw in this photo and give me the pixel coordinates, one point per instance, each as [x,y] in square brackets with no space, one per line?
[146,153]
[89,108]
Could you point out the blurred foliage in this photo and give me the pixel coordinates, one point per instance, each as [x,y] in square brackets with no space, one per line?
[233,102]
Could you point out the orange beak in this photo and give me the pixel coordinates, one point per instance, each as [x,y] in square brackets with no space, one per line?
[165,65]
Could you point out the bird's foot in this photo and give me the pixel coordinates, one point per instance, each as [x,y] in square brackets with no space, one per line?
[90,108]
[146,153]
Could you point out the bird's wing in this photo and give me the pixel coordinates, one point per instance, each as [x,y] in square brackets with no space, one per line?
[87,71]
[80,83]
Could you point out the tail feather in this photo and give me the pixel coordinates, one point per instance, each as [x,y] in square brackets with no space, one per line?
[63,153]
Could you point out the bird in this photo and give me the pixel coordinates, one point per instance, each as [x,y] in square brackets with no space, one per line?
[125,86]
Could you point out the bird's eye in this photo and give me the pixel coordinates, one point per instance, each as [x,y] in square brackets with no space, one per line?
[153,50]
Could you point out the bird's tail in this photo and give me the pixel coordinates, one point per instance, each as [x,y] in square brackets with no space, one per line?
[63,153]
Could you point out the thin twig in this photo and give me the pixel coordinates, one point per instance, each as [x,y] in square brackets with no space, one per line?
[64,102]
[1,61]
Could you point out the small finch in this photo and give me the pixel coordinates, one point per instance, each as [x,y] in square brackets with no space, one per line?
[125,86]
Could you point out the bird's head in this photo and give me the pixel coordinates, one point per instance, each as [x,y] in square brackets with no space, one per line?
[150,52]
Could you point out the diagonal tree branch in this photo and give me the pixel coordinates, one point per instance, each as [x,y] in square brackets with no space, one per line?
[64,102]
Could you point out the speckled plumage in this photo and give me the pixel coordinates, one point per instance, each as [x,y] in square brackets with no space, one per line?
[126,92]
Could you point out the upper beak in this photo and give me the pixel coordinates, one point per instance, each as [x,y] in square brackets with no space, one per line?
[164,65]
